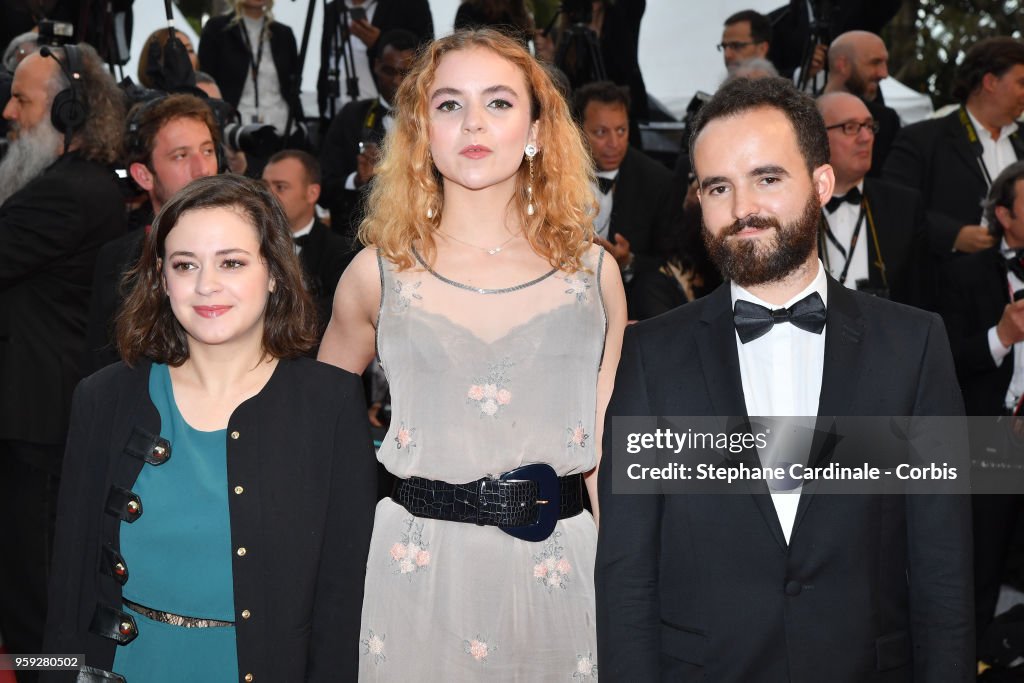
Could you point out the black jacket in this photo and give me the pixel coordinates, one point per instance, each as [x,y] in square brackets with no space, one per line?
[303,479]
[324,257]
[50,233]
[223,54]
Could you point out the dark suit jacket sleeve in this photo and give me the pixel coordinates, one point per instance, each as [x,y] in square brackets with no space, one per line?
[626,570]
[908,164]
[38,227]
[961,302]
[334,646]
[939,536]
[71,554]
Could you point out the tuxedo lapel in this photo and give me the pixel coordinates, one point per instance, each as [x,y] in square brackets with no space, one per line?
[716,344]
[961,145]
[844,354]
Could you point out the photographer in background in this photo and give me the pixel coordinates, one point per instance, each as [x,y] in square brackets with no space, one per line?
[169,142]
[59,202]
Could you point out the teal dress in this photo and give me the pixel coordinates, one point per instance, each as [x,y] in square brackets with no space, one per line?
[178,555]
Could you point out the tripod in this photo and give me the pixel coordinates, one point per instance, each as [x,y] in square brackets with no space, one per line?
[820,33]
[579,55]
[340,52]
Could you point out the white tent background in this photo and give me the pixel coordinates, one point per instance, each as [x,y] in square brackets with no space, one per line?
[677,47]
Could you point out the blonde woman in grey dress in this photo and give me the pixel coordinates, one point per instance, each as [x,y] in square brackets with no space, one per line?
[498,323]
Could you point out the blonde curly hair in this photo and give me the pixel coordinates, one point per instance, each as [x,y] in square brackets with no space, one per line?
[407,184]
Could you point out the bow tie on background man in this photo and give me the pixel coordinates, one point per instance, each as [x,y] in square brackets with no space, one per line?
[605,184]
[301,240]
[753,320]
[1015,262]
[853,197]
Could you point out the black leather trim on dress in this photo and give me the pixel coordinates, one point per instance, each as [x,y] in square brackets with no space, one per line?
[112,564]
[113,624]
[124,504]
[148,447]
[89,674]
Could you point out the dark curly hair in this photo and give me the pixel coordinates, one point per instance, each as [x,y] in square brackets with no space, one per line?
[743,94]
[989,56]
[146,325]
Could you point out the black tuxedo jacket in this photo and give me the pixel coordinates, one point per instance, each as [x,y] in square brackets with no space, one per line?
[411,15]
[324,257]
[359,121]
[888,127]
[704,587]
[50,233]
[935,158]
[900,223]
[223,54]
[974,293]
[646,208]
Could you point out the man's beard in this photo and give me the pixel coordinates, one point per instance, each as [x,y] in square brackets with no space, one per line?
[859,87]
[756,261]
[28,155]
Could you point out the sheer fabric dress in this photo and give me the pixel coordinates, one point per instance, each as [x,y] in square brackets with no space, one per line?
[483,383]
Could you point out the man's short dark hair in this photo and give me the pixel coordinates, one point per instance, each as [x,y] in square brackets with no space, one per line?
[1003,193]
[743,95]
[398,39]
[990,56]
[147,118]
[760,25]
[604,92]
[308,161]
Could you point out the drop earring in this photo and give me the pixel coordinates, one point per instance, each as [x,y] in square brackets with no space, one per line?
[531,152]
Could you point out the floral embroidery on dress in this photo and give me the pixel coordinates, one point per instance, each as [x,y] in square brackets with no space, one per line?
[491,392]
[374,645]
[405,292]
[585,667]
[552,569]
[580,286]
[577,436]
[478,648]
[404,438]
[411,555]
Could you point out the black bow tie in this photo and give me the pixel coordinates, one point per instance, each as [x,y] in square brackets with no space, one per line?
[853,197]
[605,184]
[302,239]
[753,320]
[1015,263]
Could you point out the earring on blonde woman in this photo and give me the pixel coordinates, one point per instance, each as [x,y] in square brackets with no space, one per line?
[531,152]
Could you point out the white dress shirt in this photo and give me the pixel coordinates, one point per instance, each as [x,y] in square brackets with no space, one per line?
[842,223]
[781,375]
[604,203]
[300,233]
[997,153]
[1000,352]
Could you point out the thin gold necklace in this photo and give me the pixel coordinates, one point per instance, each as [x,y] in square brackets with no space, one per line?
[490,252]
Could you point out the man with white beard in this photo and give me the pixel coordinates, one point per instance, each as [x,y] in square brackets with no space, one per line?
[59,202]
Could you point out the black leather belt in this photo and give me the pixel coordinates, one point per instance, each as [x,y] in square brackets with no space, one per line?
[526,502]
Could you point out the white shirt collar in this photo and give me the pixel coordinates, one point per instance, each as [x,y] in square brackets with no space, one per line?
[306,230]
[613,174]
[819,284]
[1004,133]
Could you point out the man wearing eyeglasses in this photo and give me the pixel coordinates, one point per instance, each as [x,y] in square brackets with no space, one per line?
[873,231]
[746,35]
[858,62]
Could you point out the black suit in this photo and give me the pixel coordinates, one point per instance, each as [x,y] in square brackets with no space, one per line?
[324,257]
[888,127]
[899,219]
[359,121]
[975,291]
[935,158]
[224,55]
[50,232]
[646,209]
[704,587]
[304,461]
[411,15]
[114,260]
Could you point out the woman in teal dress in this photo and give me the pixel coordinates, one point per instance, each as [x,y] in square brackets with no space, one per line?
[219,491]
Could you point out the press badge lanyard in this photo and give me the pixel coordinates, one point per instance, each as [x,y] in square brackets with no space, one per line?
[865,212]
[254,64]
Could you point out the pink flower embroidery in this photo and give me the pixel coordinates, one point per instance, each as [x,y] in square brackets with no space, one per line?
[489,407]
[411,554]
[539,571]
[374,646]
[585,667]
[476,392]
[405,567]
[403,439]
[563,566]
[397,551]
[478,648]
[504,396]
[551,568]
[577,436]
[490,390]
[422,558]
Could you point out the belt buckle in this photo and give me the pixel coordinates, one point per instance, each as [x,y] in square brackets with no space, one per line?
[548,501]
